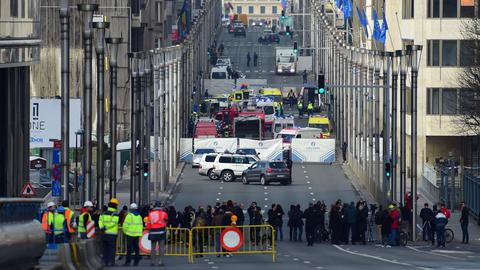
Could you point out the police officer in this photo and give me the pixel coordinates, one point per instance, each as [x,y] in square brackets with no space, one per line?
[108,223]
[133,228]
[310,108]
[300,108]
[84,218]
[156,224]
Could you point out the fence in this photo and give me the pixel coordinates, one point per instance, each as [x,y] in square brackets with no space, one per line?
[471,193]
[255,239]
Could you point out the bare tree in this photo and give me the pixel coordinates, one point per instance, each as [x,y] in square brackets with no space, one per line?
[469,78]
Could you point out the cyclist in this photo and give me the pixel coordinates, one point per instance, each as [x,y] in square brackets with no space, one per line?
[440,223]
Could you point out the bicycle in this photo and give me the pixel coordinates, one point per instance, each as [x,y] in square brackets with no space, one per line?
[405,235]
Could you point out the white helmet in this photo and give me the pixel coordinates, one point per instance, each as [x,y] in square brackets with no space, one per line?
[133,206]
[88,204]
[50,204]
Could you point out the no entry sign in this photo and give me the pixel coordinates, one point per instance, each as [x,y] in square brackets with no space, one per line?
[231,239]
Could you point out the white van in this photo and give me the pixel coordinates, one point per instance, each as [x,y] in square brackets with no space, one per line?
[281,123]
[219,73]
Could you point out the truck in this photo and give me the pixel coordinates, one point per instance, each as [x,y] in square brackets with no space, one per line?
[286,60]
[249,127]
[204,129]
[240,18]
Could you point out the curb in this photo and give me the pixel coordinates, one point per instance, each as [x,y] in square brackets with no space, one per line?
[171,187]
[362,192]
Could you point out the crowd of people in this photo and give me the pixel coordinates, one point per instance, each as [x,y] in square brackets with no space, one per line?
[343,223]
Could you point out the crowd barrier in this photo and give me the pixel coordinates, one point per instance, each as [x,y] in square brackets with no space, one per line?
[255,239]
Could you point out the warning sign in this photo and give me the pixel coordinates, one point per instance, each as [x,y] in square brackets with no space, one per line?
[144,244]
[231,239]
[28,191]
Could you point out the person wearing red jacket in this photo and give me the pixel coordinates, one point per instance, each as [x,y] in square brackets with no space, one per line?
[395,217]
[156,224]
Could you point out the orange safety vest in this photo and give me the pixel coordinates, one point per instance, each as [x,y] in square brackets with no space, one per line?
[47,219]
[157,219]
[68,216]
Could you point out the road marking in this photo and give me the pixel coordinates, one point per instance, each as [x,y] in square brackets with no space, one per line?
[295,259]
[266,206]
[266,199]
[451,251]
[286,255]
[304,171]
[311,193]
[306,176]
[219,193]
[319,267]
[211,263]
[207,260]
[266,193]
[314,199]
[435,253]
[307,262]
[371,256]
[309,187]
[308,182]
[303,167]
[264,187]
[218,199]
[221,187]
[214,267]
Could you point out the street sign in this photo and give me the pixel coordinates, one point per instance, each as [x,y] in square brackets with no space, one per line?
[56,156]
[231,239]
[144,244]
[57,144]
[56,188]
[57,172]
[28,191]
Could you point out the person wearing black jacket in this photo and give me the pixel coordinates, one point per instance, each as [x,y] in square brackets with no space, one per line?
[335,224]
[426,214]
[362,217]
[278,222]
[238,211]
[309,216]
[464,223]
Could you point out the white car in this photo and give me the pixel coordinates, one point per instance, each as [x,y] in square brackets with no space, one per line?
[206,166]
[230,166]
[197,155]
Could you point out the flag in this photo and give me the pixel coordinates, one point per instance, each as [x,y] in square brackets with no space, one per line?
[184,21]
[383,30]
[339,3]
[376,26]
[363,20]
[347,8]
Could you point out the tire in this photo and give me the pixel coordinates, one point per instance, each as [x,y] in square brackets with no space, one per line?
[245,180]
[263,181]
[402,239]
[211,175]
[449,235]
[228,176]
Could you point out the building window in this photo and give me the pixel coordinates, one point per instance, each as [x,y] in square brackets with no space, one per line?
[251,9]
[262,9]
[157,43]
[14,8]
[158,12]
[450,8]
[433,53]
[239,9]
[467,53]
[408,9]
[449,53]
[433,101]
[274,10]
[449,101]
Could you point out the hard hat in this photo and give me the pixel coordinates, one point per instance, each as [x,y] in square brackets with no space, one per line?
[133,206]
[61,209]
[50,204]
[391,206]
[115,201]
[234,218]
[88,204]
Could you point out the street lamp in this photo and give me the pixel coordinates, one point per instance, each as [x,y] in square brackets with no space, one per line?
[403,117]
[395,69]
[65,81]
[112,47]
[415,52]
[387,57]
[77,133]
[86,11]
[133,123]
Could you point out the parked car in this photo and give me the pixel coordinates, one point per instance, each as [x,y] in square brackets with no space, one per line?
[246,151]
[197,155]
[239,31]
[269,38]
[206,166]
[230,166]
[266,172]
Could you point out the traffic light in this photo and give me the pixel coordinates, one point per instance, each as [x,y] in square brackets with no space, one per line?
[137,169]
[283,13]
[387,169]
[321,83]
[287,31]
[295,47]
[145,169]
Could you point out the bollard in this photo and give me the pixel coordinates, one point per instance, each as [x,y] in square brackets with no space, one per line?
[92,254]
[65,257]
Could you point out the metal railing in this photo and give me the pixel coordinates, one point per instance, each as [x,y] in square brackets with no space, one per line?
[471,193]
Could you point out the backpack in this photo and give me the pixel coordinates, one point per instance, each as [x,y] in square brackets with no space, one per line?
[379,218]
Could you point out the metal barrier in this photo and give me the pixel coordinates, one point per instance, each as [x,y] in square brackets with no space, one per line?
[471,193]
[257,239]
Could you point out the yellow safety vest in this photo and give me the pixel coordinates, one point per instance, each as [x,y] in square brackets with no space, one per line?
[58,223]
[82,222]
[300,105]
[310,106]
[109,222]
[133,225]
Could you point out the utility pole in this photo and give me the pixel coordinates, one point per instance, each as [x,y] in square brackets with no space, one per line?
[403,123]
[65,81]
[395,64]
[376,75]
[133,124]
[387,57]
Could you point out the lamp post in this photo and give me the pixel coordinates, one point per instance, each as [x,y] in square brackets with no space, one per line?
[65,81]
[133,124]
[141,124]
[147,127]
[100,25]
[156,131]
[78,132]
[112,46]
[415,52]
[395,66]
[86,11]
[387,191]
[377,67]
[371,81]
[403,119]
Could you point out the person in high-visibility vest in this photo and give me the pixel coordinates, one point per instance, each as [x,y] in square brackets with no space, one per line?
[84,218]
[156,224]
[300,107]
[133,228]
[59,225]
[310,108]
[47,221]
[108,223]
[71,224]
